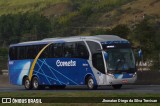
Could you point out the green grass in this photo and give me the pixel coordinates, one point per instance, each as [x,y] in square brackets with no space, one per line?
[79,94]
[74,94]
[22,6]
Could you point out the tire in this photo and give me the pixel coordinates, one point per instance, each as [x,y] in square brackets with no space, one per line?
[91,84]
[35,83]
[27,84]
[117,86]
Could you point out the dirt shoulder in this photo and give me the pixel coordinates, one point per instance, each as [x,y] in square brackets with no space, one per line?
[4,81]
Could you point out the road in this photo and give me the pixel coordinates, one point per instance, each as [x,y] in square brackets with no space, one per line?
[124,89]
[5,86]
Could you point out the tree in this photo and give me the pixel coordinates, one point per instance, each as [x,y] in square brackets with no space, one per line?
[121,30]
[146,36]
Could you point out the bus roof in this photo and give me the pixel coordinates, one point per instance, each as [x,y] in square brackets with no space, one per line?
[100,38]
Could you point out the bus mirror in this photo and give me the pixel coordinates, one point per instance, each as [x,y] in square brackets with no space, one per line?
[140,53]
[106,55]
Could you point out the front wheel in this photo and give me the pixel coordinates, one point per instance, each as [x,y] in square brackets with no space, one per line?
[90,83]
[27,84]
[117,86]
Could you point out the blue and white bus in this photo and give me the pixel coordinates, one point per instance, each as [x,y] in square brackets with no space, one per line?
[81,60]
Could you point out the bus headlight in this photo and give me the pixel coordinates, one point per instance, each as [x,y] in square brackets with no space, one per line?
[111,75]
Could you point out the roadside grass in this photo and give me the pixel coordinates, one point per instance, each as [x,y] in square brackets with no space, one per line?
[86,93]
[78,94]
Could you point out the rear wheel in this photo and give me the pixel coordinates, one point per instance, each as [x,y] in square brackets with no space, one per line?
[27,83]
[35,83]
[90,83]
[117,86]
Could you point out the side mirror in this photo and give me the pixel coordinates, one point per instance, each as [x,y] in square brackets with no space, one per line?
[140,53]
[106,55]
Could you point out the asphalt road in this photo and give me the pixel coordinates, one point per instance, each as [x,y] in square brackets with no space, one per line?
[5,86]
[124,89]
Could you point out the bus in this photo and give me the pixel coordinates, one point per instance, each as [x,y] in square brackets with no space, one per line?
[79,60]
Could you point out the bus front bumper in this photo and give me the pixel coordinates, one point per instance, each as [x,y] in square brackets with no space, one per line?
[113,80]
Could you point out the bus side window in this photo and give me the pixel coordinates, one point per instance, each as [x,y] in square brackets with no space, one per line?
[39,48]
[81,50]
[45,53]
[12,53]
[28,56]
[69,50]
[30,52]
[58,50]
[51,51]
[16,53]
[21,52]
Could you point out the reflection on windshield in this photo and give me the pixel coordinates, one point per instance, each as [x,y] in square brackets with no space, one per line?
[120,59]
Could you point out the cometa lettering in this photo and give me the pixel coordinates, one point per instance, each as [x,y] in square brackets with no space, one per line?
[65,63]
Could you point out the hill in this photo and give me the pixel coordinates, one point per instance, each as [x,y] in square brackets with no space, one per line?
[105,13]
[26,20]
[132,12]
[22,6]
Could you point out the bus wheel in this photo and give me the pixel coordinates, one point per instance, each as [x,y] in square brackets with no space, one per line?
[117,86]
[27,84]
[35,83]
[90,83]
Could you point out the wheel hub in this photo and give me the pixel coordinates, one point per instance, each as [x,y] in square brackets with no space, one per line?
[27,83]
[35,84]
[90,83]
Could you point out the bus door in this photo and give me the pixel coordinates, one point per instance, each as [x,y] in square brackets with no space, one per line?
[97,62]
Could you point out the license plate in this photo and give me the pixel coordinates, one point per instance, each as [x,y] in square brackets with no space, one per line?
[124,81]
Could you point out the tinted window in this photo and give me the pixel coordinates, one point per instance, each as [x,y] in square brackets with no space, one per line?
[58,50]
[97,60]
[97,57]
[21,54]
[81,50]
[69,49]
[44,54]
[12,53]
[32,51]
[94,47]
[48,52]
[24,52]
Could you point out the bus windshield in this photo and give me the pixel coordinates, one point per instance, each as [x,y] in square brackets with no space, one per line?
[120,60]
